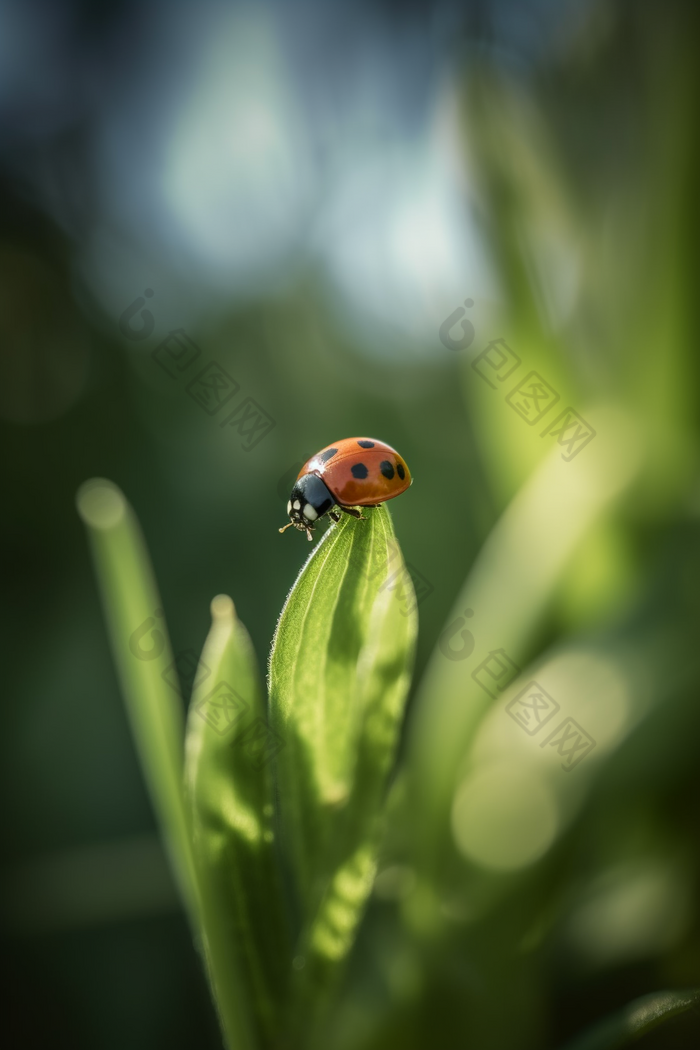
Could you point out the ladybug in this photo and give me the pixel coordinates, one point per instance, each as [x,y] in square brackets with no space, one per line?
[354,472]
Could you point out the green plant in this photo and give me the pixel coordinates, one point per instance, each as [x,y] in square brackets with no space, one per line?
[276,858]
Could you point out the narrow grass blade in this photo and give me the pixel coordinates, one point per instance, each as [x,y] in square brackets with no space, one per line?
[636,1019]
[230,799]
[142,652]
[146,670]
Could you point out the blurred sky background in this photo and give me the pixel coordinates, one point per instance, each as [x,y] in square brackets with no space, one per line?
[308,190]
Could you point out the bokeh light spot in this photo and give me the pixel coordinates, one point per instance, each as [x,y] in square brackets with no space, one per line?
[504,818]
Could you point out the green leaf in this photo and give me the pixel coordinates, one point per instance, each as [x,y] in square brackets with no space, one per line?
[231,804]
[141,650]
[144,661]
[636,1019]
[339,673]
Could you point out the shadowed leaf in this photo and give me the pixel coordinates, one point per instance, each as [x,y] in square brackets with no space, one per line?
[339,673]
[231,804]
[635,1020]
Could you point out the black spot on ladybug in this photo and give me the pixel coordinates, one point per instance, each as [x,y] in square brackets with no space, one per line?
[386,469]
[328,454]
[400,471]
[359,471]
[365,444]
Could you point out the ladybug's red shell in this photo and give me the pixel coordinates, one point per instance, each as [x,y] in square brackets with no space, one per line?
[360,472]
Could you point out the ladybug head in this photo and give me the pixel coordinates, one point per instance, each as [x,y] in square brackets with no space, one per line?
[309,500]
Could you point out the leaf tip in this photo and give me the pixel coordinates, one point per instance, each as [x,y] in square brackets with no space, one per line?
[222,609]
[101,504]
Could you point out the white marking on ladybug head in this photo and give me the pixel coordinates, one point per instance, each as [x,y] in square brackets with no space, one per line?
[309,512]
[297,504]
[289,506]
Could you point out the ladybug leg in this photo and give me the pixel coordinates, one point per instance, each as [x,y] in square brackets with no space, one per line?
[353,512]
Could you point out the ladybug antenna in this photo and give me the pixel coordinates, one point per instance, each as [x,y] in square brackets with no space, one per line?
[287,526]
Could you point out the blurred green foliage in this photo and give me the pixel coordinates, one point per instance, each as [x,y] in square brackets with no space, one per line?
[586,174]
